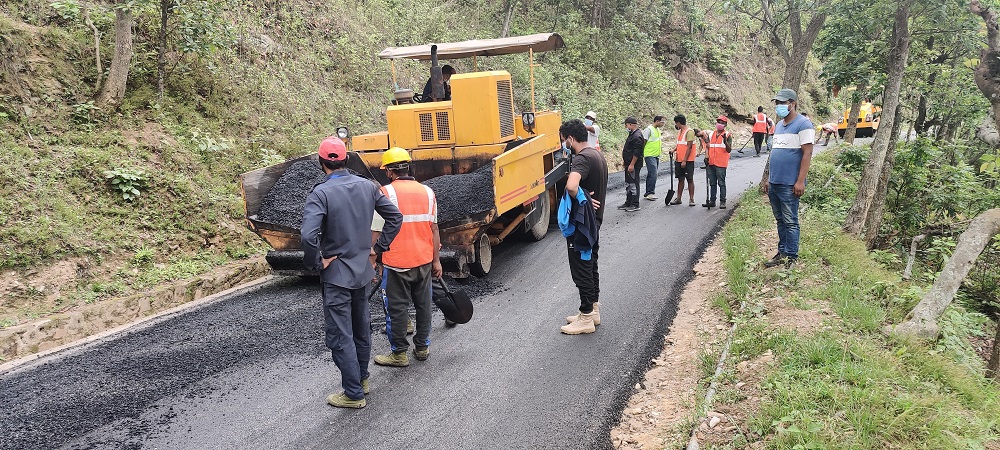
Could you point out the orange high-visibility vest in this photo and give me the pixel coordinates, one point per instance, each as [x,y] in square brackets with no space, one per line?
[760,123]
[682,143]
[717,154]
[414,245]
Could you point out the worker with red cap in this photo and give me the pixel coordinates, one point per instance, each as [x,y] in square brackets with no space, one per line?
[337,243]
[720,145]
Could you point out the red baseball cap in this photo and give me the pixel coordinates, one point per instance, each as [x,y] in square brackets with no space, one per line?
[722,119]
[332,149]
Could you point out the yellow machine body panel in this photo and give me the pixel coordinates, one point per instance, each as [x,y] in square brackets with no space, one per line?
[547,125]
[484,108]
[519,174]
[421,125]
[373,141]
[866,117]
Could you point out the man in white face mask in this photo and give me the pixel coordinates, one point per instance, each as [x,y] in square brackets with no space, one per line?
[593,130]
[789,164]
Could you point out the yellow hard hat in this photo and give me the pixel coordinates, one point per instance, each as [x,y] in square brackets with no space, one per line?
[395,155]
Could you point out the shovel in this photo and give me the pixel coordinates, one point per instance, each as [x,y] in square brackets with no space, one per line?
[454,304]
[708,189]
[670,193]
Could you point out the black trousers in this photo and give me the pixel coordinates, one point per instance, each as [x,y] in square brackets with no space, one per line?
[758,141]
[632,187]
[585,277]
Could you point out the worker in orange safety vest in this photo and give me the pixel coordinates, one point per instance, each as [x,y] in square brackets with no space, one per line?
[720,145]
[762,126]
[412,262]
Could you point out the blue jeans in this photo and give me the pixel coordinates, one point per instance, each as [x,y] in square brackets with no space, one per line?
[717,178]
[652,162]
[785,206]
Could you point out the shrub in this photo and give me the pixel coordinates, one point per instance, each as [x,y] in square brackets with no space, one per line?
[129,182]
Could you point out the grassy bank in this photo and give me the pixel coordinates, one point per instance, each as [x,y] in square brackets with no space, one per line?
[835,380]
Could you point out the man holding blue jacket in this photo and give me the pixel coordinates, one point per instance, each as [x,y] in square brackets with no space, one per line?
[588,171]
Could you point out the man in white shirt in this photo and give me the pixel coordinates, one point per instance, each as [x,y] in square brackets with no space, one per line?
[593,130]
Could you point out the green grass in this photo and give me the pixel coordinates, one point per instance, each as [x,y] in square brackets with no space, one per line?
[848,386]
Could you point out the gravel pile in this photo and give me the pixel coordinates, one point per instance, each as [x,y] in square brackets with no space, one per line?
[460,196]
[284,202]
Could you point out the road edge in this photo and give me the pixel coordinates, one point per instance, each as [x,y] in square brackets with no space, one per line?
[131,327]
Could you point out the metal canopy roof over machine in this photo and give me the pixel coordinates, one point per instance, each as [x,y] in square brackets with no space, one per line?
[541,42]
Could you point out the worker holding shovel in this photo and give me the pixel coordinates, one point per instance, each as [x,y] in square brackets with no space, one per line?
[412,263]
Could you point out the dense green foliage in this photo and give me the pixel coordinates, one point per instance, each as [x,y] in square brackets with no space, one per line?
[845,385]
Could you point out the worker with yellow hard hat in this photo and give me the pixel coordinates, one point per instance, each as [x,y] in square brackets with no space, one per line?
[412,262]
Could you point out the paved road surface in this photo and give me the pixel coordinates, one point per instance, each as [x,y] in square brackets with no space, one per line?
[250,371]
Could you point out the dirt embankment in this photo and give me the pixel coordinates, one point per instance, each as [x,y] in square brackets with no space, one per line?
[669,404]
[661,413]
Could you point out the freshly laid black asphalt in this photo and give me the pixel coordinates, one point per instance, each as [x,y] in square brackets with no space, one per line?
[284,202]
[250,370]
[462,195]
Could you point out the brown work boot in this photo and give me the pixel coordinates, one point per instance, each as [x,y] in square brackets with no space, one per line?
[341,400]
[597,315]
[583,325]
[393,359]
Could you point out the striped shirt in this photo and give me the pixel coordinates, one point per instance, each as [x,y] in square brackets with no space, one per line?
[786,155]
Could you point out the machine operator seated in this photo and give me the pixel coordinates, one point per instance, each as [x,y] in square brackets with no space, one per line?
[446,71]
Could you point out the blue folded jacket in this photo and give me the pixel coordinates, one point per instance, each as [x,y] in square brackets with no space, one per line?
[578,221]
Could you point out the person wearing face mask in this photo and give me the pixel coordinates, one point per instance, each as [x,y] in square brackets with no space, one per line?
[794,136]
[589,173]
[720,145]
[593,130]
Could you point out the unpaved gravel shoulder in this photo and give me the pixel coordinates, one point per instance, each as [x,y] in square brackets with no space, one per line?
[660,414]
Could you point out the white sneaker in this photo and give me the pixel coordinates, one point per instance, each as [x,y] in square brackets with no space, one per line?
[596,312]
[650,197]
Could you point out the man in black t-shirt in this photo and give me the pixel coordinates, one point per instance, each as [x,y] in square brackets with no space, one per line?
[632,157]
[588,171]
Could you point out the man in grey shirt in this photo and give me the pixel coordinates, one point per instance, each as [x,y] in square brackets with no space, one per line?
[337,241]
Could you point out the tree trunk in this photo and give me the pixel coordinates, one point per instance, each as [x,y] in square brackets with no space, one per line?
[97,46]
[993,367]
[114,87]
[852,123]
[873,223]
[987,131]
[857,216]
[795,67]
[795,51]
[922,322]
[987,73]
[161,53]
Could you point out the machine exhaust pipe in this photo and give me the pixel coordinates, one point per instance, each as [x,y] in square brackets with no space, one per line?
[437,77]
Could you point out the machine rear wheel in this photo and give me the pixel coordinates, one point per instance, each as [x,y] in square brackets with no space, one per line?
[484,257]
[537,222]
